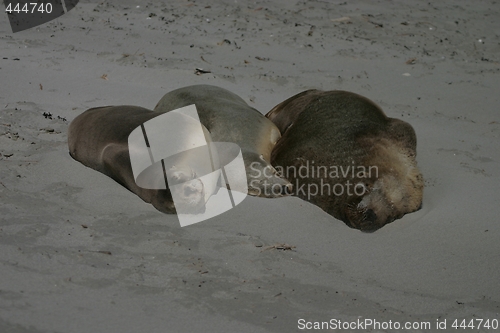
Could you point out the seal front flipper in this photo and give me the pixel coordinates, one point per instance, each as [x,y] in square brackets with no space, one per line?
[116,164]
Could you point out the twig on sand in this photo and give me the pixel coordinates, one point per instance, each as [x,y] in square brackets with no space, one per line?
[103,252]
[281,246]
[200,71]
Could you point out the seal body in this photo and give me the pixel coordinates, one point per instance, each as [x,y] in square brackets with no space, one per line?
[98,138]
[229,118]
[343,154]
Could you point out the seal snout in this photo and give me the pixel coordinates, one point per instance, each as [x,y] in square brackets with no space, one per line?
[369,221]
[365,220]
[370,216]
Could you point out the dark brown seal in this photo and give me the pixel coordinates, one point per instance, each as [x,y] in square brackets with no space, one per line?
[343,154]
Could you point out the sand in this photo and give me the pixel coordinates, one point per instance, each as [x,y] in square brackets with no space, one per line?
[80,253]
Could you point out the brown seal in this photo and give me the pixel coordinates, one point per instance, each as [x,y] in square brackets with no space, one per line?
[229,118]
[343,154]
[98,138]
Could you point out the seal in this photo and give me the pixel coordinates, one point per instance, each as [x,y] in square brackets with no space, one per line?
[229,118]
[98,138]
[343,154]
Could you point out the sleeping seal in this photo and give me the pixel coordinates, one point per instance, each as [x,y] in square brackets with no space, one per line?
[229,118]
[99,139]
[343,154]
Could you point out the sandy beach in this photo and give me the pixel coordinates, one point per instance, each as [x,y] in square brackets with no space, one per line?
[80,253]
